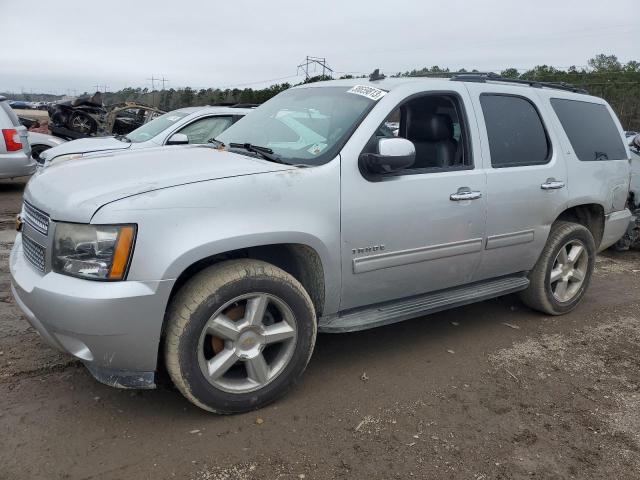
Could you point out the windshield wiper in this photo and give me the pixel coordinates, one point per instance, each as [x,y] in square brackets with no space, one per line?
[216,143]
[123,138]
[264,152]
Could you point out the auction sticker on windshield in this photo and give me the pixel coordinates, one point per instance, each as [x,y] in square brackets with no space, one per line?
[369,92]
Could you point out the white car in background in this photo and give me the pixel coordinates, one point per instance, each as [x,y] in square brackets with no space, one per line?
[192,125]
[41,142]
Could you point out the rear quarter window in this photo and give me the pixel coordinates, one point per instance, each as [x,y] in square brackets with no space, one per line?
[13,118]
[590,129]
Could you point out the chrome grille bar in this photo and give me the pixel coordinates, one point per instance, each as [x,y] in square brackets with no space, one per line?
[34,253]
[35,217]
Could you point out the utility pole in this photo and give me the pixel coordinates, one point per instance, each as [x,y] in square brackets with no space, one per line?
[164,80]
[316,62]
[97,88]
[153,89]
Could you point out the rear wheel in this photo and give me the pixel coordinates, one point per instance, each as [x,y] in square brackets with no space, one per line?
[563,271]
[239,335]
[82,123]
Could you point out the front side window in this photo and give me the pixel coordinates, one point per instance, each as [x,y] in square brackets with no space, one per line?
[155,126]
[590,129]
[205,129]
[516,134]
[305,126]
[435,124]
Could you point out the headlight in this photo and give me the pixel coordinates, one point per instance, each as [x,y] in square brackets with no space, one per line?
[97,252]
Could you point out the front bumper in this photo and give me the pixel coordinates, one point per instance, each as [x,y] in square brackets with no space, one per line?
[615,226]
[114,328]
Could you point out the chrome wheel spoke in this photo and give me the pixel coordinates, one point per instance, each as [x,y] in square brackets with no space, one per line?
[221,363]
[255,309]
[221,326]
[556,274]
[576,275]
[574,253]
[278,332]
[257,369]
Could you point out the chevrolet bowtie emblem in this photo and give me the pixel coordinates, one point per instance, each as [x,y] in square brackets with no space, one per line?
[18,222]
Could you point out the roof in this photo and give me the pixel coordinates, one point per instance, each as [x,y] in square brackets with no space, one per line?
[2,98]
[435,83]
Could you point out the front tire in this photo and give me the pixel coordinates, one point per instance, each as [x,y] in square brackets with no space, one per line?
[239,335]
[563,272]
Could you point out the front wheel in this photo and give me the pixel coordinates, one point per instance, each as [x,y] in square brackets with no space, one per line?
[563,272]
[239,335]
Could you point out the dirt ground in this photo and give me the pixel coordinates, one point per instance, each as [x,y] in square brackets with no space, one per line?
[488,391]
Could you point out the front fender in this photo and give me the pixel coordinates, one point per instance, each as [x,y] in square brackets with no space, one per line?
[178,226]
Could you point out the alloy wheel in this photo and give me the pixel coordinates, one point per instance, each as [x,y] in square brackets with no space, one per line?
[247,343]
[569,271]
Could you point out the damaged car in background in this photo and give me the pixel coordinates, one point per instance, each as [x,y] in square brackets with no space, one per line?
[87,116]
[191,125]
[631,238]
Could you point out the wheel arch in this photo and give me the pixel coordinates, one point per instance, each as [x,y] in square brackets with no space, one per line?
[300,260]
[590,215]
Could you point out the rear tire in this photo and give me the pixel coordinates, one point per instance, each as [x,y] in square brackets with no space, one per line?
[563,271]
[239,335]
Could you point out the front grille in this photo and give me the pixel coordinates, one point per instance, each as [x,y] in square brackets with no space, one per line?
[34,253]
[36,218]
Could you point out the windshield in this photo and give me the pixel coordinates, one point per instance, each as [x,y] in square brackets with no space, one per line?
[154,127]
[305,126]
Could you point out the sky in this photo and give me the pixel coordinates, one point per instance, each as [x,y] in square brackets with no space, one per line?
[73,45]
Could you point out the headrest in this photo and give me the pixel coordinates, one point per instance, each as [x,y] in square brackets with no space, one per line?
[431,127]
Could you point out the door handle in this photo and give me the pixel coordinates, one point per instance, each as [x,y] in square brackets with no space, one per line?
[465,194]
[552,184]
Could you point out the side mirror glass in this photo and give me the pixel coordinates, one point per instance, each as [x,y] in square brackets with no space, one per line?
[394,154]
[178,139]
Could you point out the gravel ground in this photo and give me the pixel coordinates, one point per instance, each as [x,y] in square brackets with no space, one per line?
[488,391]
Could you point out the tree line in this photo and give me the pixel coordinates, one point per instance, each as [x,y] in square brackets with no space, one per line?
[604,76]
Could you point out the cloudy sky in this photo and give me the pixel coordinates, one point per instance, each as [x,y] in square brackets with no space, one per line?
[71,45]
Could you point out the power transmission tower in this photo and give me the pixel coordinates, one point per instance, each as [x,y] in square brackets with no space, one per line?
[153,89]
[317,62]
[97,88]
[164,80]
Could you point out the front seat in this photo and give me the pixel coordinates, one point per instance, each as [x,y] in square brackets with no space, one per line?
[432,135]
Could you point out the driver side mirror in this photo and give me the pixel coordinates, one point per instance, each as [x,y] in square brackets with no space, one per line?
[394,154]
[178,139]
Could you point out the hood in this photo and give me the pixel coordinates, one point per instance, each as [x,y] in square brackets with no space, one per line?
[85,145]
[73,191]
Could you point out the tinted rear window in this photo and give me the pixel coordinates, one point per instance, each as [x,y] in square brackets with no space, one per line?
[12,115]
[591,130]
[516,134]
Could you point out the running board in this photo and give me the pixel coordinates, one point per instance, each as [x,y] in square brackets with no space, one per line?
[399,310]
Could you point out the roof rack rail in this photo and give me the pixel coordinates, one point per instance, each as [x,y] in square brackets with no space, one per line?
[494,77]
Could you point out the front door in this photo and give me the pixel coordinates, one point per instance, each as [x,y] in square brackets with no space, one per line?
[421,229]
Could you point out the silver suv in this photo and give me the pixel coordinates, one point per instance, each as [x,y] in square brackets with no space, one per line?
[313,214]
[15,151]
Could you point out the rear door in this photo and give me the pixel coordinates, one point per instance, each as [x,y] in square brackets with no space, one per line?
[526,177]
